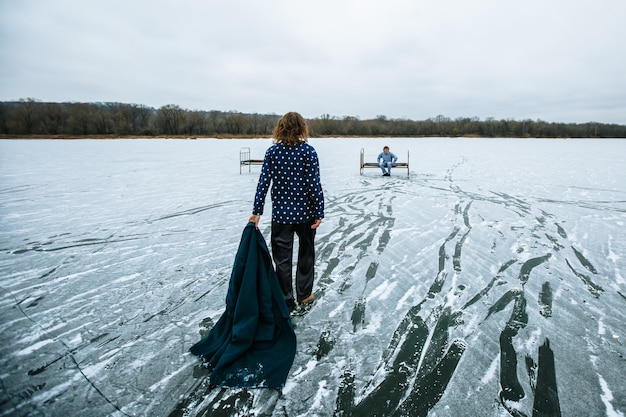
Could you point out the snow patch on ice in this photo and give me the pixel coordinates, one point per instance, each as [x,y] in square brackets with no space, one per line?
[54,390]
[339,309]
[533,339]
[34,347]
[163,382]
[374,323]
[471,323]
[403,300]
[71,276]
[612,256]
[491,371]
[31,338]
[382,291]
[138,363]
[322,392]
[308,368]
[96,368]
[289,385]
[76,340]
[607,397]
[126,278]
[84,295]
[297,375]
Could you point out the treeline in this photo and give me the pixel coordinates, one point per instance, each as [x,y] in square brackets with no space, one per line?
[32,118]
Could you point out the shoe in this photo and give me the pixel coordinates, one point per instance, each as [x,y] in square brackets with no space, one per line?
[304,306]
[307,300]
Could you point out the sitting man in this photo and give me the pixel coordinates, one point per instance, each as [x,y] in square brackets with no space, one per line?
[386,160]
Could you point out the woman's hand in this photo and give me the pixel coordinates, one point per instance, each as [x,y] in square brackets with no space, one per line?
[255,219]
[316,223]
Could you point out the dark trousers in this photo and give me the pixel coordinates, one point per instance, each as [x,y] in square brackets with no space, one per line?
[282,252]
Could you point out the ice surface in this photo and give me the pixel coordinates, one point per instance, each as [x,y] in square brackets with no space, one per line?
[487,282]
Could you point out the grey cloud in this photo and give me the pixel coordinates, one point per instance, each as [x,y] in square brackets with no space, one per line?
[554,61]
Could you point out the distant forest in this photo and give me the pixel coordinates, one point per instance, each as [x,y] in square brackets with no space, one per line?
[30,118]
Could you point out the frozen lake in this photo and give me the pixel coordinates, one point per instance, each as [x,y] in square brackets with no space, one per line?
[488,282]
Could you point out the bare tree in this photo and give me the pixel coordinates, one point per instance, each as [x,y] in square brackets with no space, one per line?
[24,116]
[215,122]
[131,119]
[81,119]
[5,116]
[53,118]
[170,119]
[196,123]
[235,123]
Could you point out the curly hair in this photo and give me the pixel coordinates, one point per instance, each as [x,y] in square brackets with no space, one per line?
[291,129]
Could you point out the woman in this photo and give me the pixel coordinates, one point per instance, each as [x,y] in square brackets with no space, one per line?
[292,167]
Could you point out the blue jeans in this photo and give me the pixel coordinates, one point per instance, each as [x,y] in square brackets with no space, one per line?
[387,166]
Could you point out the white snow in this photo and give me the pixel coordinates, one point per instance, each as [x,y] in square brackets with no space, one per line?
[116,254]
[607,397]
[491,372]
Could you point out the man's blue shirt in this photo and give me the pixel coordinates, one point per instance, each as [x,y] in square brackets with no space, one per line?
[386,157]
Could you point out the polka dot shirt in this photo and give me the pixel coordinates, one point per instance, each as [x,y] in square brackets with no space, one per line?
[293,171]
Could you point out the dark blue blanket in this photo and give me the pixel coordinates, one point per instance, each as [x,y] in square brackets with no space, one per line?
[253,343]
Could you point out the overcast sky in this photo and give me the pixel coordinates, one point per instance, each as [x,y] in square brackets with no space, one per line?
[554,60]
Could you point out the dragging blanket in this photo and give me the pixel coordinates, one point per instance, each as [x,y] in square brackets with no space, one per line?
[253,343]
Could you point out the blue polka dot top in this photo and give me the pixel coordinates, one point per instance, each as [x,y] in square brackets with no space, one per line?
[293,171]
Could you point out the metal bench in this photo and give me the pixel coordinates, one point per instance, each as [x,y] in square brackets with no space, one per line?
[364,164]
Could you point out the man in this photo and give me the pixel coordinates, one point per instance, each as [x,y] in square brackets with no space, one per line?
[292,166]
[386,160]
